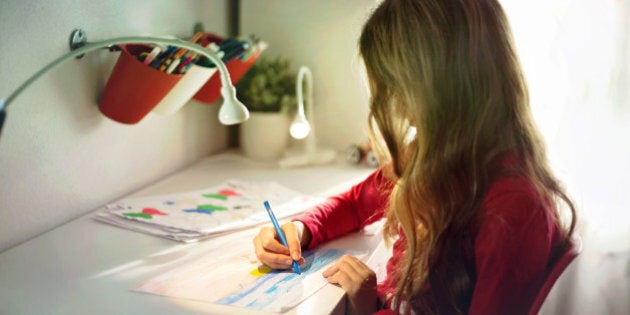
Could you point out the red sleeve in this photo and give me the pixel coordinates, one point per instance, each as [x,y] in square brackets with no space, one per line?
[363,204]
[512,249]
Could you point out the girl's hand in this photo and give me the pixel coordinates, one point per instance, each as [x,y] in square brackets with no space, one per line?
[272,253]
[359,282]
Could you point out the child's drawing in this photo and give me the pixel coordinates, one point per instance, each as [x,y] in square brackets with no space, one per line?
[241,281]
[231,205]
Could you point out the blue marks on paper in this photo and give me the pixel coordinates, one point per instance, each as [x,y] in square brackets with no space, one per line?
[276,286]
[202,211]
[206,209]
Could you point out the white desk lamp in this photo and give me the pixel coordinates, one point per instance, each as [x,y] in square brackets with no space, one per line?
[301,128]
[232,110]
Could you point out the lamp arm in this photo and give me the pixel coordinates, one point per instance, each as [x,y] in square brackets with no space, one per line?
[305,73]
[225,75]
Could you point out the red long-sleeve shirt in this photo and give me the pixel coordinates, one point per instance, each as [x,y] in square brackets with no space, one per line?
[512,244]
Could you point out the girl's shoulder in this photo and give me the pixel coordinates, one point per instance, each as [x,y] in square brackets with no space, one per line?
[513,196]
[508,179]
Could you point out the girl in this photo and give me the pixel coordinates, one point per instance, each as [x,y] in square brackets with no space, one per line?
[469,201]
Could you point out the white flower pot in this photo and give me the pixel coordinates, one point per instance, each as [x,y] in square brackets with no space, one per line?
[264,136]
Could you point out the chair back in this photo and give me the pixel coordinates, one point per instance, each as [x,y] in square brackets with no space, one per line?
[561,264]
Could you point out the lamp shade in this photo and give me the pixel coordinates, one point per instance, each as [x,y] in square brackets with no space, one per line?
[300,128]
[232,110]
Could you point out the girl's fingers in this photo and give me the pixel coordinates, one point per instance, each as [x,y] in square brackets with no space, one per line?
[270,242]
[330,271]
[293,241]
[341,279]
[273,260]
[348,264]
[350,273]
[351,267]
[271,252]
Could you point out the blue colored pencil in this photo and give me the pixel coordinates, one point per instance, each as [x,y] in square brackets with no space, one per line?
[283,239]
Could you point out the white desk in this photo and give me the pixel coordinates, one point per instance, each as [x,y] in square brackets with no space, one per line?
[88,267]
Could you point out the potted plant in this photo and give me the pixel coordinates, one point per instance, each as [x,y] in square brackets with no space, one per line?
[268,91]
[269,86]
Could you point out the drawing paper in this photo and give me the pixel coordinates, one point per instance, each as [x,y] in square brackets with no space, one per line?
[239,280]
[192,215]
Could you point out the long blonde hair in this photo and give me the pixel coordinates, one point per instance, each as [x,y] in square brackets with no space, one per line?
[447,67]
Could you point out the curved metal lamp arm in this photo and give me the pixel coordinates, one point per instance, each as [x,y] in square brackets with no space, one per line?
[305,73]
[232,111]
[300,127]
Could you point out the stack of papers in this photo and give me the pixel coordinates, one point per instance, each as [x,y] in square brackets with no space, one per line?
[191,216]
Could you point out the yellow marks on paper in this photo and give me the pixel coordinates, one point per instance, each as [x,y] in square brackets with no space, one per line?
[261,270]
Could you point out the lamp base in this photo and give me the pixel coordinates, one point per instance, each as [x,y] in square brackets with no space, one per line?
[317,156]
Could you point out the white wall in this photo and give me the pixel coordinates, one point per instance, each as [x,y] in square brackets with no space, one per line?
[322,35]
[59,156]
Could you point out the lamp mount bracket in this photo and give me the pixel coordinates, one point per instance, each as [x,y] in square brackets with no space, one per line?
[78,39]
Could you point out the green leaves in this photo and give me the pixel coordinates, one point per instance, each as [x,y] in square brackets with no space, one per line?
[269,86]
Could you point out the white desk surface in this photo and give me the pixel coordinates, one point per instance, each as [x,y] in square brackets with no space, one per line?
[88,267]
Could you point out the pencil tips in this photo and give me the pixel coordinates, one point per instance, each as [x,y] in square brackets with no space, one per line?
[296,268]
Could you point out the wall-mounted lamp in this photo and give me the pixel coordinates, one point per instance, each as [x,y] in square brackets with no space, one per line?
[301,128]
[232,111]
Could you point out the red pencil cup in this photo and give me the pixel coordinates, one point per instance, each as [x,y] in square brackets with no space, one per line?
[133,88]
[237,68]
